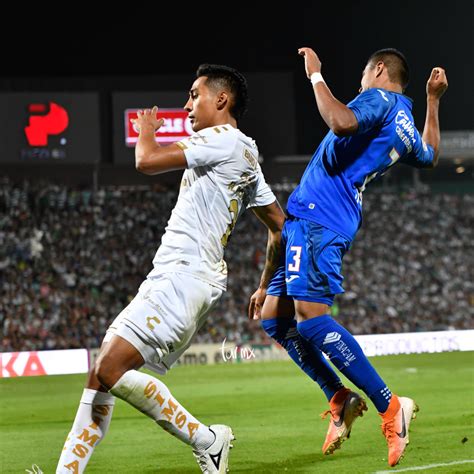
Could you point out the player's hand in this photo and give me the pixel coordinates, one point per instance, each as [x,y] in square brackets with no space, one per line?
[256,303]
[147,118]
[311,61]
[437,83]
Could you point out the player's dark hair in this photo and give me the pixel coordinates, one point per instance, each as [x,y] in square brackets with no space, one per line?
[224,77]
[396,63]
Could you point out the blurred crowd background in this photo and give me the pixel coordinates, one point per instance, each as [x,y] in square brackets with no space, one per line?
[71,258]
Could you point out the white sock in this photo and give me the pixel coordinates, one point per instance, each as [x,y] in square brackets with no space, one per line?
[152,397]
[89,428]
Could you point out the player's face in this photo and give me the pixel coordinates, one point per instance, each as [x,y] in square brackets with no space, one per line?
[201,105]
[368,76]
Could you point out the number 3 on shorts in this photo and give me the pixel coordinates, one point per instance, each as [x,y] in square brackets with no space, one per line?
[295,266]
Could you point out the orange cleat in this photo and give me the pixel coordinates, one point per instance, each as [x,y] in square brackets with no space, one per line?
[345,406]
[395,424]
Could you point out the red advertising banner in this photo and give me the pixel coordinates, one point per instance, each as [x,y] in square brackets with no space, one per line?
[176,127]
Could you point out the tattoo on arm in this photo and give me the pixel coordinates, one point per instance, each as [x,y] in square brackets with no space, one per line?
[272,260]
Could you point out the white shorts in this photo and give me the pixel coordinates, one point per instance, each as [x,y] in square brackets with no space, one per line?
[162,319]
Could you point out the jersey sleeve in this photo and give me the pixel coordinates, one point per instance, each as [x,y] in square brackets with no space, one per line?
[370,109]
[421,154]
[263,195]
[209,147]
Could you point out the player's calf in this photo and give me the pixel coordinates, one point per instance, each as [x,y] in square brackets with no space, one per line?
[89,428]
[152,397]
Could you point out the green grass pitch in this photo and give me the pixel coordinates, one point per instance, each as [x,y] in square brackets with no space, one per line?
[273,409]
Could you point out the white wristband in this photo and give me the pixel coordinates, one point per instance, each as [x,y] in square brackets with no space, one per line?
[316,77]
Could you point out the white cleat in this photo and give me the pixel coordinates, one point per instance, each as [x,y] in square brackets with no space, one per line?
[215,459]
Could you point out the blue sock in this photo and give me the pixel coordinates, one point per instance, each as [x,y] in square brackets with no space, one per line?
[309,359]
[345,353]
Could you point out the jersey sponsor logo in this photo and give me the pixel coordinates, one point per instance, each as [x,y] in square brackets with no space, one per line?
[331,337]
[405,130]
[291,278]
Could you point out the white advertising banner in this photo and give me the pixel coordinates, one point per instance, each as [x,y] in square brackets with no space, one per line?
[20,364]
[417,342]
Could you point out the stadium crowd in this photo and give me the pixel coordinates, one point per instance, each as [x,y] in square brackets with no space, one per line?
[71,259]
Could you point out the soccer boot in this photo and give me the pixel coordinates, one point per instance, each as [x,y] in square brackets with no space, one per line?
[345,407]
[395,425]
[215,459]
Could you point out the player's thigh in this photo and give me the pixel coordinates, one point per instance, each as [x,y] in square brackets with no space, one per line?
[314,260]
[141,324]
[119,355]
[198,299]
[278,307]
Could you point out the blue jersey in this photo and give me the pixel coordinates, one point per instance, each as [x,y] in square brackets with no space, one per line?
[330,191]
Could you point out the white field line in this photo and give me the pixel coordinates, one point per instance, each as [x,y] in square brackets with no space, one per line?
[427,466]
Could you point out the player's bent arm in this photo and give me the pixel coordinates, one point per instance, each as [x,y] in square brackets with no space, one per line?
[435,88]
[431,133]
[273,217]
[151,158]
[338,117]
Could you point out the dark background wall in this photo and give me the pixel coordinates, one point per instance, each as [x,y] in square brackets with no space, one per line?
[137,47]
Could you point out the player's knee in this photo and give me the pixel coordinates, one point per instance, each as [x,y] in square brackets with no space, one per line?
[106,372]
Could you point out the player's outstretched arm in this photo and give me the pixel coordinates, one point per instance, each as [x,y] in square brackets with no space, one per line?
[338,117]
[151,158]
[274,218]
[435,88]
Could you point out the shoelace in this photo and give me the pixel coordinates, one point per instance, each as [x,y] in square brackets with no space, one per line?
[324,414]
[201,459]
[388,429]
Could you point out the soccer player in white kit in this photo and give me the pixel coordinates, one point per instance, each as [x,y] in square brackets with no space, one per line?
[222,178]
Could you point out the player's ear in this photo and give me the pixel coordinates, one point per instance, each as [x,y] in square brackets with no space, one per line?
[222,100]
[379,67]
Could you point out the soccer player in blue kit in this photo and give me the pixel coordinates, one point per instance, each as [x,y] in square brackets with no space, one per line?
[367,136]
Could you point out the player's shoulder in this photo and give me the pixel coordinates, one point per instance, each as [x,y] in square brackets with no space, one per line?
[218,132]
[218,141]
[378,94]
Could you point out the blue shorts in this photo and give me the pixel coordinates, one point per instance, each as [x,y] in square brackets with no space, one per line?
[310,268]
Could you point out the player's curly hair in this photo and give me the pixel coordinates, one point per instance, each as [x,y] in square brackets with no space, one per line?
[225,77]
[397,65]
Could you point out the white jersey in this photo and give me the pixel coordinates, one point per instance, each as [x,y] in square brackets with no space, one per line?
[222,179]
